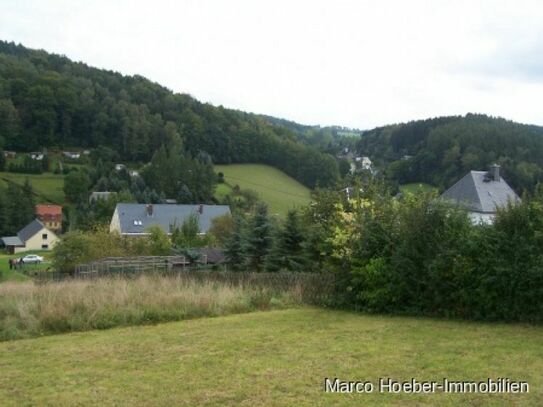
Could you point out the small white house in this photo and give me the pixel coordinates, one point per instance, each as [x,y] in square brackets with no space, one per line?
[482,193]
[36,156]
[131,219]
[72,155]
[34,236]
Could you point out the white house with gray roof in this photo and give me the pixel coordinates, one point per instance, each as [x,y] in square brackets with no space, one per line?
[482,193]
[130,219]
[34,236]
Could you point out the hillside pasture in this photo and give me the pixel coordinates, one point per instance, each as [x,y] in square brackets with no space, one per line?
[278,358]
[273,186]
[48,187]
[417,187]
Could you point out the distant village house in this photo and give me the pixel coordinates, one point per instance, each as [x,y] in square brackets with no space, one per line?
[34,236]
[130,219]
[36,156]
[482,193]
[50,216]
[72,155]
[95,196]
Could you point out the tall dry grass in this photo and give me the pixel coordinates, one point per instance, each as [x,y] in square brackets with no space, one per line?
[28,309]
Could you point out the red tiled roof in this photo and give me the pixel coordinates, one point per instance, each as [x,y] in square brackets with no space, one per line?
[48,210]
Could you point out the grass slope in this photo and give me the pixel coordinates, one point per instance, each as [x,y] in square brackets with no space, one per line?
[47,186]
[277,358]
[273,186]
[417,187]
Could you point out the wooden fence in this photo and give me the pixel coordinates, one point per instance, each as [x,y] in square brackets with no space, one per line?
[313,288]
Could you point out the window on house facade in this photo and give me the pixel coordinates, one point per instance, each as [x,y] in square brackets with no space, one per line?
[44,236]
[45,246]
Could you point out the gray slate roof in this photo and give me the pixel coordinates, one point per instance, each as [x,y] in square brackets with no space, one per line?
[12,241]
[24,234]
[30,230]
[166,215]
[478,195]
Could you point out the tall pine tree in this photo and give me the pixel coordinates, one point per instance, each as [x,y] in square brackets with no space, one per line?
[287,252]
[235,246]
[259,238]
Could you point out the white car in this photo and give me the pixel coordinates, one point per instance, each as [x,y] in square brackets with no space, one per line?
[32,258]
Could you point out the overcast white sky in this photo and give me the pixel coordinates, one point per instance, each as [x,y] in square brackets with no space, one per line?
[352,63]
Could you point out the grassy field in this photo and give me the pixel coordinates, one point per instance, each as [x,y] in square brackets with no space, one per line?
[29,310]
[274,187]
[18,275]
[417,187]
[47,186]
[222,190]
[277,358]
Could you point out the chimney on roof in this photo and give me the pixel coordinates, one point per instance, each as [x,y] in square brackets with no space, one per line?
[149,209]
[200,209]
[494,172]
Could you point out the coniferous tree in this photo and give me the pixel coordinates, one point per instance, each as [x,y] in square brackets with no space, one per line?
[234,249]
[287,251]
[3,216]
[19,204]
[259,238]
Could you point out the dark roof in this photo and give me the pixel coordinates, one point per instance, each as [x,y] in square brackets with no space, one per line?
[12,241]
[479,193]
[24,234]
[211,255]
[30,230]
[134,219]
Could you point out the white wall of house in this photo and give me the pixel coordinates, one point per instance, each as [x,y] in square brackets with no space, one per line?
[484,218]
[43,240]
[115,225]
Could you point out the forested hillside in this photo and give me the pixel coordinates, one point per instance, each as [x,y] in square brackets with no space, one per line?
[440,151]
[331,139]
[46,100]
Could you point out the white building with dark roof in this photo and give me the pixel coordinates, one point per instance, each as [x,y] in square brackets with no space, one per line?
[482,193]
[34,236]
[131,219]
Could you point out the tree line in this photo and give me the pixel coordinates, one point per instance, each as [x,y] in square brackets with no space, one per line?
[440,151]
[16,208]
[47,100]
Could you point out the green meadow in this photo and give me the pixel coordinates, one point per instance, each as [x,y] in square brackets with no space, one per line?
[417,187]
[273,186]
[274,358]
[48,187]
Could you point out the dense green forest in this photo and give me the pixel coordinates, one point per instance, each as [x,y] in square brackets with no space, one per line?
[47,100]
[440,151]
[331,139]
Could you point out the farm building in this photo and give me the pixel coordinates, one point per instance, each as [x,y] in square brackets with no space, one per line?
[34,236]
[482,193]
[50,216]
[130,219]
[71,154]
[96,195]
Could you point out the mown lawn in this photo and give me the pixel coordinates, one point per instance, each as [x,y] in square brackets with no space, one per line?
[277,358]
[47,186]
[273,186]
[417,187]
